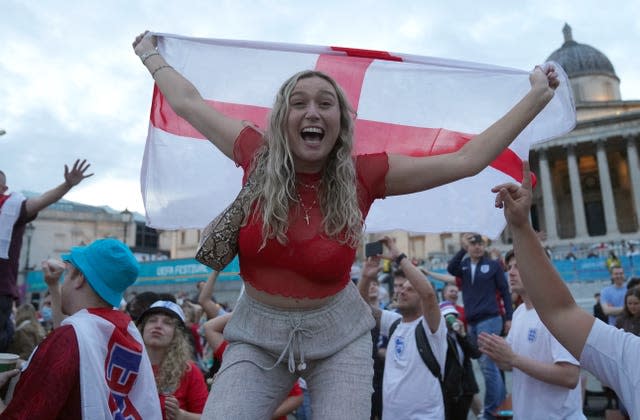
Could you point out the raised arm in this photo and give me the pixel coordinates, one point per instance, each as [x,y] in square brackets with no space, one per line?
[204,298]
[185,99]
[411,174]
[213,330]
[422,286]
[446,278]
[370,271]
[569,324]
[52,270]
[454,266]
[71,178]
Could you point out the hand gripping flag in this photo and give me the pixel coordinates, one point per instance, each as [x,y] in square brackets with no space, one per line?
[405,104]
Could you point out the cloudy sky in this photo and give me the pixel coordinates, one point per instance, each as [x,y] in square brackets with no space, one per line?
[70,85]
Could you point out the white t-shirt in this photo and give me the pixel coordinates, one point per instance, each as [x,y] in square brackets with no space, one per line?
[409,389]
[532,398]
[612,356]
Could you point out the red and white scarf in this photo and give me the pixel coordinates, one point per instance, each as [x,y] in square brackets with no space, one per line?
[9,213]
[116,379]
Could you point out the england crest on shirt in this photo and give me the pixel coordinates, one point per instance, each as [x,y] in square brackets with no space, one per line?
[484,268]
[533,333]
[399,347]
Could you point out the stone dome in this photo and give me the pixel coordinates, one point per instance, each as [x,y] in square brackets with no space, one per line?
[580,59]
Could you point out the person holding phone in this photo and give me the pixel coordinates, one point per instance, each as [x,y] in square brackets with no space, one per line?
[409,389]
[301,315]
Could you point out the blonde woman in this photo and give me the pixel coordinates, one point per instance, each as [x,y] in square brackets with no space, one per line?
[180,383]
[28,334]
[301,315]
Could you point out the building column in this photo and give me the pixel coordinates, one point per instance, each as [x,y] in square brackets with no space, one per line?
[606,190]
[576,193]
[547,198]
[634,174]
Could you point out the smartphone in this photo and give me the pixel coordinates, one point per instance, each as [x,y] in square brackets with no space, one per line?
[372,249]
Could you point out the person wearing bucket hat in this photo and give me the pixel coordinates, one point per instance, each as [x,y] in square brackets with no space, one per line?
[94,365]
[108,265]
[182,388]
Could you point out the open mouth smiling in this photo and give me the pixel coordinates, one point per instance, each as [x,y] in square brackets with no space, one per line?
[312,134]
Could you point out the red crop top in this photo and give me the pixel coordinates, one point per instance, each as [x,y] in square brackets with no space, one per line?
[310,265]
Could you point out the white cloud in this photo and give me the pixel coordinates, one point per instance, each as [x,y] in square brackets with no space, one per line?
[71,86]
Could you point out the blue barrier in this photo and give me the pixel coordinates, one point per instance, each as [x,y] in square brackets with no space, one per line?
[188,270]
[584,269]
[153,273]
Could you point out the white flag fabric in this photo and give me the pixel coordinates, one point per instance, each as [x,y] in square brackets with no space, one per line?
[405,104]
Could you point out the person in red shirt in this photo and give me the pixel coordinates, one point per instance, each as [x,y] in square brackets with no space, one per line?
[301,316]
[93,364]
[181,385]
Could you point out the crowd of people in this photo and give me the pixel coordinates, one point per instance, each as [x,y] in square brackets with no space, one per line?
[299,338]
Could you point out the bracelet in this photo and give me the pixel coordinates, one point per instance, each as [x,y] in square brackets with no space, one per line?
[166,66]
[145,55]
[399,258]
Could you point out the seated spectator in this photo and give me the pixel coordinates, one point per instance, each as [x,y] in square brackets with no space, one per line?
[28,333]
[612,261]
[183,391]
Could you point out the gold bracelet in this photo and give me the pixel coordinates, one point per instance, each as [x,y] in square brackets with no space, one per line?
[166,66]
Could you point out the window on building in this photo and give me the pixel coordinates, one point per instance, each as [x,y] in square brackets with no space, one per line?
[146,237]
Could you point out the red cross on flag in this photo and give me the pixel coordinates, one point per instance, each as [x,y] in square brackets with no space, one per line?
[405,104]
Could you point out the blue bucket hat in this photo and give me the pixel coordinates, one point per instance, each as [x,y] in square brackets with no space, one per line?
[108,265]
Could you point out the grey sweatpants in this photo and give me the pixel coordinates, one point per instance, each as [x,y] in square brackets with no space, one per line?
[270,348]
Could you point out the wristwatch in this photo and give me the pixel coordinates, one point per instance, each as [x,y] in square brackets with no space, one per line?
[399,258]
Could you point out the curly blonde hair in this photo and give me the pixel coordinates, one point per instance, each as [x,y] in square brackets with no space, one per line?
[273,171]
[175,362]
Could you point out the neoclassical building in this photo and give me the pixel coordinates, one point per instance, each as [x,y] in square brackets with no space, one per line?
[589,179]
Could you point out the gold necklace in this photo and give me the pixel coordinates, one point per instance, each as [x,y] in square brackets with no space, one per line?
[308,186]
[304,208]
